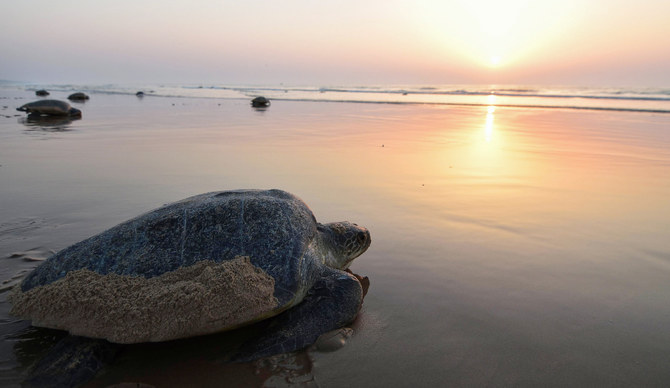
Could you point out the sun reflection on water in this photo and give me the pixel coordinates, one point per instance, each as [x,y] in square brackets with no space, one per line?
[489,123]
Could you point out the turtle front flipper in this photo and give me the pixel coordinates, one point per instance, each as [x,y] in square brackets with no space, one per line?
[333,302]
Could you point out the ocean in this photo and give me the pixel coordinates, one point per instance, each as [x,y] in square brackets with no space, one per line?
[519,234]
[655,100]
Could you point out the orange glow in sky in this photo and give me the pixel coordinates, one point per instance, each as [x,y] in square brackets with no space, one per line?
[347,42]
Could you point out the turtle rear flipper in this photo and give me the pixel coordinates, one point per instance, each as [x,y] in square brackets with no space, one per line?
[71,362]
[331,303]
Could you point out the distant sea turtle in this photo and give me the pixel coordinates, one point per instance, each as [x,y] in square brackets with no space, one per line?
[78,96]
[50,108]
[260,102]
[208,263]
[140,94]
[41,93]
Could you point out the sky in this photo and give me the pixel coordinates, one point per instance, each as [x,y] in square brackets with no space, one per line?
[343,42]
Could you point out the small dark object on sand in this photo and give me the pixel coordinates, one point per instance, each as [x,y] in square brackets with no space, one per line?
[260,102]
[50,108]
[139,94]
[41,93]
[78,97]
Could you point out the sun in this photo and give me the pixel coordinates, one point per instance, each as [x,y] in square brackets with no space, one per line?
[497,36]
[494,61]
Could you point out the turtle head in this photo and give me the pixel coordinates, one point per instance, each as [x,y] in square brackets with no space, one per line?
[74,112]
[342,242]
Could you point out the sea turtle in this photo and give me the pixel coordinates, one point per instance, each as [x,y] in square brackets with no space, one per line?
[79,96]
[50,108]
[41,93]
[208,263]
[260,102]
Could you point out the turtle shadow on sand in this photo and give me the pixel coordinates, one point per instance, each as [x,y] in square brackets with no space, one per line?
[206,264]
[48,123]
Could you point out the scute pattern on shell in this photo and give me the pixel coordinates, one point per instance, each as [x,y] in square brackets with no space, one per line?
[273,228]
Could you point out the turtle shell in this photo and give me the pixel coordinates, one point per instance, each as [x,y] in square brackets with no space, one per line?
[273,228]
[79,96]
[260,102]
[230,232]
[48,107]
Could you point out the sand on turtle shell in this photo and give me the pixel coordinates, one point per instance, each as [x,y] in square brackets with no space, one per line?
[204,298]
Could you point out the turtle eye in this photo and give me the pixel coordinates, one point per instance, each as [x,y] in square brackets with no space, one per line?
[361,237]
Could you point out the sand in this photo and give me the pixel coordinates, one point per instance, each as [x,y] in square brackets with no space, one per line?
[512,247]
[201,299]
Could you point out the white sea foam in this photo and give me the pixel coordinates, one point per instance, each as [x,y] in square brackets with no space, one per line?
[656,100]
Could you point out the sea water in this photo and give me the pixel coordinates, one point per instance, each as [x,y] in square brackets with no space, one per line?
[511,245]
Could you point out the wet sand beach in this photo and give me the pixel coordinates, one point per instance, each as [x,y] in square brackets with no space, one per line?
[510,246]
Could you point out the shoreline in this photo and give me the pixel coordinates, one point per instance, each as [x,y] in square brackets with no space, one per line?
[623,100]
